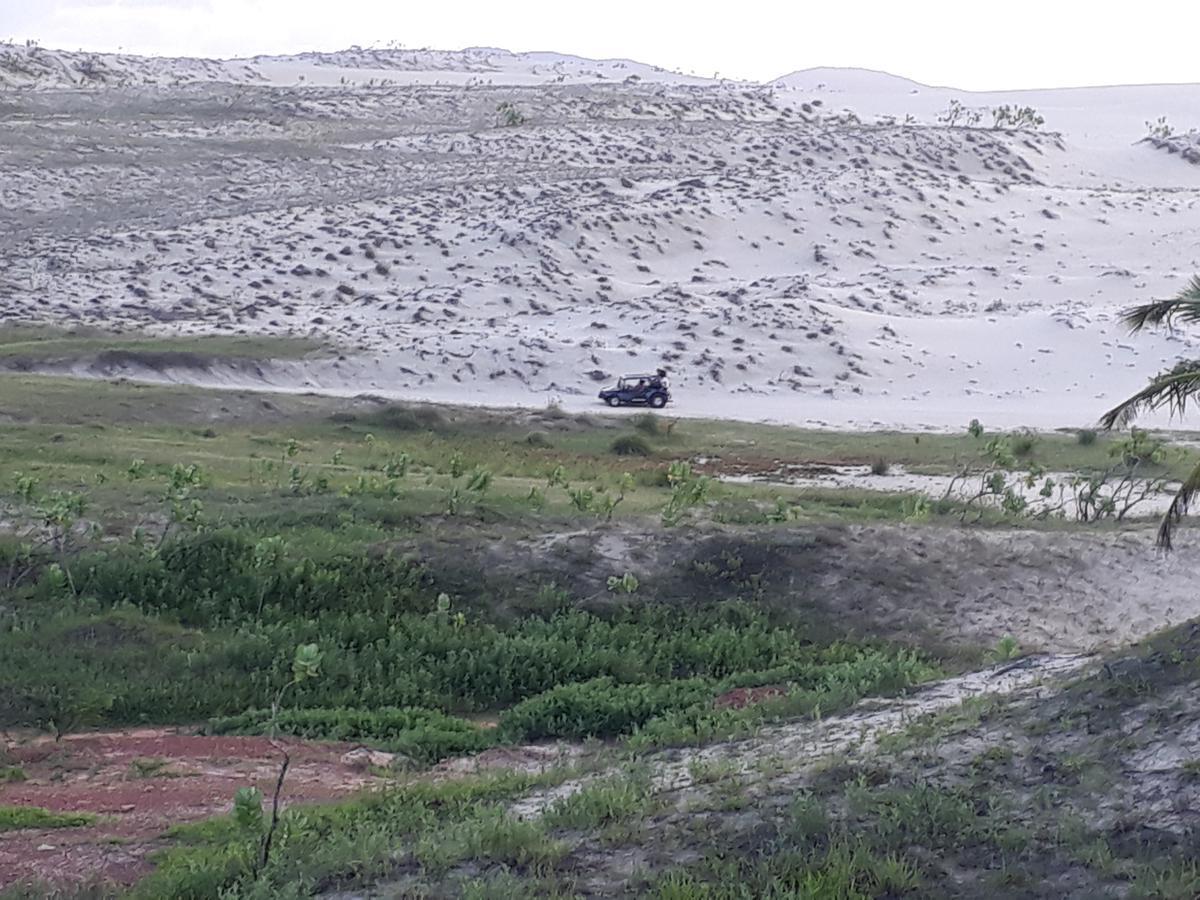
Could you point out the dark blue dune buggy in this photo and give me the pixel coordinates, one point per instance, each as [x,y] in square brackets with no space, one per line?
[639,390]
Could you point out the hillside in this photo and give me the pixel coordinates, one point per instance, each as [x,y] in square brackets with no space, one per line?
[30,66]
[785,259]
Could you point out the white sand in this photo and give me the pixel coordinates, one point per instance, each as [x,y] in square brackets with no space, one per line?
[785,261]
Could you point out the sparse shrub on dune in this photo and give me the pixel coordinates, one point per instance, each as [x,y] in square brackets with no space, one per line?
[958,114]
[508,115]
[1006,649]
[1017,118]
[1160,129]
[1086,437]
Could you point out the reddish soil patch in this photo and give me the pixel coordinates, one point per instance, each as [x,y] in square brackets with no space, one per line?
[140,783]
[741,697]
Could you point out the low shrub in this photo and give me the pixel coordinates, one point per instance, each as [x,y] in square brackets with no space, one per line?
[1023,443]
[631,445]
[400,418]
[599,708]
[221,577]
[652,478]
[647,423]
[425,735]
[604,801]
[14,818]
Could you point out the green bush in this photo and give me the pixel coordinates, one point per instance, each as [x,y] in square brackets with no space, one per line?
[631,445]
[1023,443]
[652,478]
[219,577]
[423,734]
[1086,437]
[14,818]
[165,638]
[598,708]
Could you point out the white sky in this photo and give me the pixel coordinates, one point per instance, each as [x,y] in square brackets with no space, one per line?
[958,43]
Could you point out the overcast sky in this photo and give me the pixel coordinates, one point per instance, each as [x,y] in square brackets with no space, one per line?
[958,43]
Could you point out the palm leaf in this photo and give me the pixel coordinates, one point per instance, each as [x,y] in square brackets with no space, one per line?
[1178,508]
[1172,389]
[1183,307]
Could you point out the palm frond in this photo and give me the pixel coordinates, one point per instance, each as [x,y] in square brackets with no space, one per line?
[1172,389]
[1183,307]
[1178,508]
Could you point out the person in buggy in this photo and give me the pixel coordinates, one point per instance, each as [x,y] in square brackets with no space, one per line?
[639,390]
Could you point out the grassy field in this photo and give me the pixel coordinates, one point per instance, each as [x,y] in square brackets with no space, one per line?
[166,547]
[21,344]
[165,551]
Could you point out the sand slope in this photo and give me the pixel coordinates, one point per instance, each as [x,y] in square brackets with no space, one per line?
[800,252]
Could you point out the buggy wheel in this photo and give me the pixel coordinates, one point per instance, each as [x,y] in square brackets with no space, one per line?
[614,401]
[658,401]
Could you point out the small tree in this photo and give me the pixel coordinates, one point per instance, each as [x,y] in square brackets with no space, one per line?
[1173,389]
[306,665]
[56,514]
[687,490]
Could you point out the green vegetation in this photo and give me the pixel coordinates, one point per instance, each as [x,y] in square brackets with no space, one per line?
[1004,820]
[424,735]
[13,818]
[210,622]
[27,345]
[172,556]
[341,846]
[613,799]
[631,445]
[201,562]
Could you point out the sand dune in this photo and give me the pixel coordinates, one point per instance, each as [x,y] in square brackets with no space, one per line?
[820,250]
